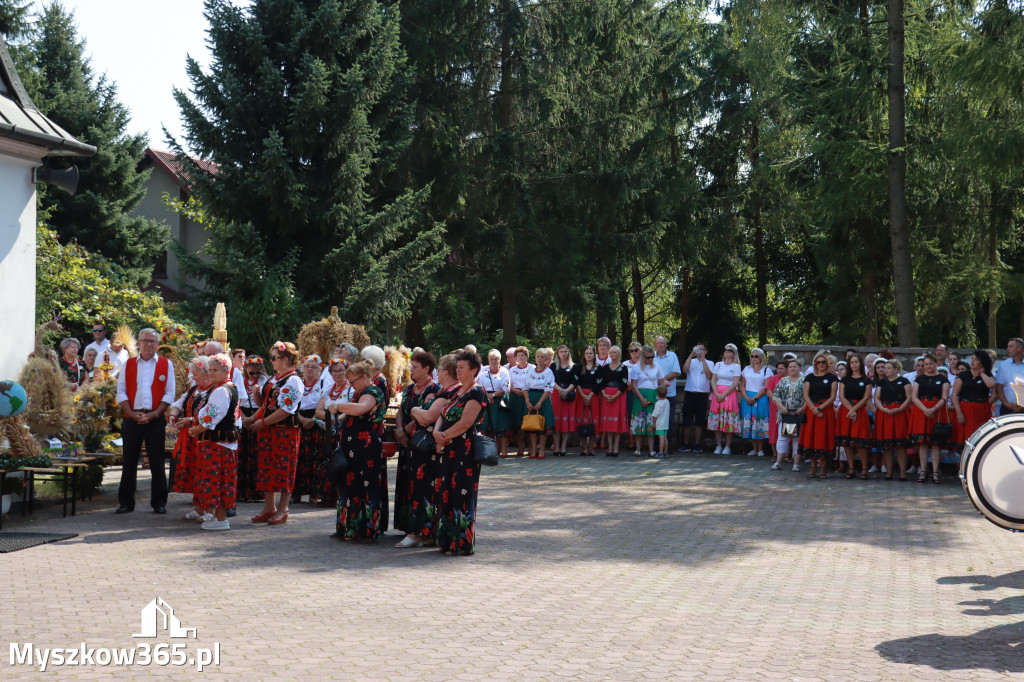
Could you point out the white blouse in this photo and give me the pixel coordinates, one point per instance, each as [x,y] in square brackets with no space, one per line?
[249,401]
[646,377]
[541,381]
[216,407]
[754,379]
[290,394]
[726,373]
[518,378]
[494,382]
[311,395]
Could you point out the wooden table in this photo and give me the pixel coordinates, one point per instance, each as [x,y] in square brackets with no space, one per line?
[61,470]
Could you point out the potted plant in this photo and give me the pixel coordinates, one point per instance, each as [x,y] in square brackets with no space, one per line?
[12,486]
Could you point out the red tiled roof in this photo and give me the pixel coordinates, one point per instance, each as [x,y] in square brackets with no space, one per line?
[170,164]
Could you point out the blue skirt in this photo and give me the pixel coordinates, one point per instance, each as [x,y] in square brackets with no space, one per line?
[754,418]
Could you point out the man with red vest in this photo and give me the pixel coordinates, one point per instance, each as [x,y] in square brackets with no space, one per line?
[145,389]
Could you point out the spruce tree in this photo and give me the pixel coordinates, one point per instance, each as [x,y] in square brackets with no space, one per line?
[98,216]
[305,112]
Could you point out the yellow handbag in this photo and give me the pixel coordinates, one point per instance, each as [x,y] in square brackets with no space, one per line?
[533,421]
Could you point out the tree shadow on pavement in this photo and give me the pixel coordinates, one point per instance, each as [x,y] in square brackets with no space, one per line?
[999,648]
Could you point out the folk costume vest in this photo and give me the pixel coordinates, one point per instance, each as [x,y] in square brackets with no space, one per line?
[271,391]
[131,379]
[224,430]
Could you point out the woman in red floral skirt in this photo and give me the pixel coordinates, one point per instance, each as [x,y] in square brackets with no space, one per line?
[361,511]
[216,429]
[930,395]
[817,436]
[278,429]
[892,401]
[182,417]
[853,423]
[970,396]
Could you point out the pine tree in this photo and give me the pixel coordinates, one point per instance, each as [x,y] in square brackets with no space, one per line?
[306,114]
[98,216]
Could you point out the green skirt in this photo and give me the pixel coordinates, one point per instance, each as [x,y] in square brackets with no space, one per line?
[515,417]
[496,420]
[546,411]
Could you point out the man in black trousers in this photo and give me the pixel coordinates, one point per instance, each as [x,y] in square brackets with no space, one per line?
[145,389]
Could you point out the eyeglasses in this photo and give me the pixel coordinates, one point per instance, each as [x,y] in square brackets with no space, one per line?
[821,362]
[648,357]
[275,357]
[634,350]
[96,331]
[148,341]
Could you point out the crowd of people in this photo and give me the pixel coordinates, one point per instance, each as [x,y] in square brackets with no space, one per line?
[273,430]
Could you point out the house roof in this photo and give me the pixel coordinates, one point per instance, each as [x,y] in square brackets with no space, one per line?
[171,164]
[21,120]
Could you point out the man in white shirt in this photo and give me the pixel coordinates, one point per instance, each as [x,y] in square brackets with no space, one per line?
[669,363]
[942,356]
[100,342]
[145,389]
[697,368]
[1009,369]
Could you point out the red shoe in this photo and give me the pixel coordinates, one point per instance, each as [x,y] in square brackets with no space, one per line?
[264,517]
[541,456]
[278,521]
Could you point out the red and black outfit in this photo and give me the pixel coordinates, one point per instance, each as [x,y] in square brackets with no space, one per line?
[414,480]
[818,436]
[929,392]
[564,410]
[455,489]
[614,418]
[973,398]
[855,433]
[183,469]
[216,476]
[278,444]
[74,373]
[590,382]
[891,429]
[311,470]
[144,389]
[248,455]
[362,497]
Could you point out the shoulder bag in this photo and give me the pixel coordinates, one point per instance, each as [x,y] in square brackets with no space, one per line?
[587,430]
[484,450]
[533,421]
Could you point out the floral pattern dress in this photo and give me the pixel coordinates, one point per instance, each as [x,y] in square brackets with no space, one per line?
[458,480]
[414,480]
[278,445]
[184,453]
[216,475]
[362,513]
[74,373]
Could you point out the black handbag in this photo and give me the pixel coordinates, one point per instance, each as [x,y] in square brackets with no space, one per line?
[484,450]
[422,442]
[337,467]
[502,402]
[794,418]
[943,432]
[570,397]
[587,430]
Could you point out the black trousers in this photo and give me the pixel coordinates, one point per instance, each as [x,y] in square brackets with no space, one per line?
[133,435]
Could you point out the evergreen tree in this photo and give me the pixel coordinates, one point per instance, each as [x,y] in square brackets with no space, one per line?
[98,216]
[305,112]
[14,19]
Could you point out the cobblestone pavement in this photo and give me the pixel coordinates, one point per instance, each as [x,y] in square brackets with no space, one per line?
[709,568]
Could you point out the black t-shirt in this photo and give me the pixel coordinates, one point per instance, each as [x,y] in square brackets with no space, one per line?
[589,378]
[890,392]
[615,378]
[930,388]
[972,388]
[565,376]
[821,387]
[854,388]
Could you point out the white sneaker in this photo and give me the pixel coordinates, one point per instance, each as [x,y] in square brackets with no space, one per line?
[214,524]
[873,469]
[726,450]
[760,453]
[796,467]
[775,467]
[718,450]
[911,470]
[885,469]
[752,453]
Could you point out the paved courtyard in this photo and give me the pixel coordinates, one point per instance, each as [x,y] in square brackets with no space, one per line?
[709,568]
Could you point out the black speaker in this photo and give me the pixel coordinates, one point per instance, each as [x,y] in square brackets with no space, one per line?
[66,179]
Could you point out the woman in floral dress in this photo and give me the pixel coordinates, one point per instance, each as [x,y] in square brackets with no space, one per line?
[456,487]
[339,392]
[75,372]
[361,511]
[181,415]
[414,478]
[216,430]
[312,434]
[278,430]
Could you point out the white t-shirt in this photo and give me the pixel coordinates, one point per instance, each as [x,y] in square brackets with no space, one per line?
[519,377]
[726,373]
[541,381]
[660,415]
[754,379]
[647,376]
[99,348]
[493,382]
[696,380]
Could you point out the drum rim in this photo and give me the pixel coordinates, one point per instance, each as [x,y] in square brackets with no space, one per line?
[972,484]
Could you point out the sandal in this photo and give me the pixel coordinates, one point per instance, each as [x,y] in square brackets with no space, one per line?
[263,516]
[823,475]
[935,477]
[922,478]
[145,462]
[864,477]
[850,475]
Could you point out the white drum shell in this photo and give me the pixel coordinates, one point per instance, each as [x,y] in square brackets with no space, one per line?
[992,472]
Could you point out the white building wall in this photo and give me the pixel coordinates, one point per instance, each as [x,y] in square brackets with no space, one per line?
[17,255]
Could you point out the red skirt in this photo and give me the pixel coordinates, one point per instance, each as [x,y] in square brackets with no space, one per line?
[565,412]
[976,414]
[278,457]
[591,414]
[216,481]
[855,433]
[613,414]
[818,435]
[184,462]
[890,429]
[922,427]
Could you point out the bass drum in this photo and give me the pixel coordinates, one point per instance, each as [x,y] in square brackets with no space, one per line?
[992,470]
